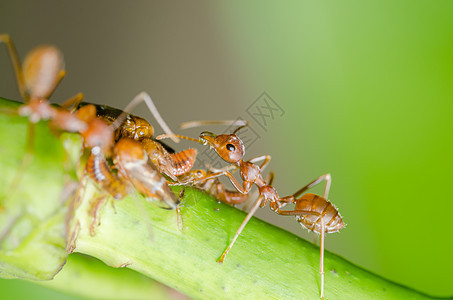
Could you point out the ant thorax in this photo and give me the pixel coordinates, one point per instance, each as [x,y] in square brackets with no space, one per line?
[251,172]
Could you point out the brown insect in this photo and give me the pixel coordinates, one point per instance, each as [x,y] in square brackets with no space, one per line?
[37,78]
[131,126]
[138,170]
[313,212]
[129,157]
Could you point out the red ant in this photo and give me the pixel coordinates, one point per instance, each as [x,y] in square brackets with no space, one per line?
[214,187]
[313,212]
[37,78]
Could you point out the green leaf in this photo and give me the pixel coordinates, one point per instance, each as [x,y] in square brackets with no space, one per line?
[266,261]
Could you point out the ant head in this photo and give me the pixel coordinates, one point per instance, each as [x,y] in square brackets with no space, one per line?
[228,146]
[43,69]
[137,128]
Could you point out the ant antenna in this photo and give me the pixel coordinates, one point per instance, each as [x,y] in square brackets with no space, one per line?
[192,124]
[144,97]
[240,127]
[166,136]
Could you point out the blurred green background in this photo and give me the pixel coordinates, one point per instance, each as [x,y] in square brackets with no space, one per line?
[366,89]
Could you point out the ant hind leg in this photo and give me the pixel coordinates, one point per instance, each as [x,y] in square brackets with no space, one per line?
[326,177]
[238,232]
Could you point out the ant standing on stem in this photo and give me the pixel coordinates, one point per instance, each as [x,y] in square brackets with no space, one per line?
[313,212]
[37,78]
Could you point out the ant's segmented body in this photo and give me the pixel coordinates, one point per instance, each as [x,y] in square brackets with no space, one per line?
[37,78]
[133,167]
[314,212]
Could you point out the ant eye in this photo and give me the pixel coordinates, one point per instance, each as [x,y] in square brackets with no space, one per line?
[230,147]
[141,133]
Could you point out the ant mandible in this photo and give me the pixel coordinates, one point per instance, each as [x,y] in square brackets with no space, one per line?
[313,212]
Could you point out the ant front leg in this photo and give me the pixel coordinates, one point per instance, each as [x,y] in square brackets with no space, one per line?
[94,212]
[179,219]
[73,102]
[326,177]
[238,232]
[5,38]
[230,176]
[266,158]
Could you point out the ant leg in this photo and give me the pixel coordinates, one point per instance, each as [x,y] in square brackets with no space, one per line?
[94,213]
[5,38]
[178,209]
[269,180]
[295,212]
[227,168]
[144,97]
[321,256]
[59,78]
[73,102]
[238,232]
[233,180]
[266,158]
[326,177]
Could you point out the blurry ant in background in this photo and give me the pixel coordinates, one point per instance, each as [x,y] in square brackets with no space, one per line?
[37,78]
[313,212]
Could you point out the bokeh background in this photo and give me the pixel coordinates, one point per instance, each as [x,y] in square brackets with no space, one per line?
[366,89]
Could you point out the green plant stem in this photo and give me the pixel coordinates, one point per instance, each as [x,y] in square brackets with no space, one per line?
[87,277]
[265,263]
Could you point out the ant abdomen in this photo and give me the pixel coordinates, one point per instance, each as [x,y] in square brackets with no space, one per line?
[321,208]
[42,70]
[99,171]
[183,161]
